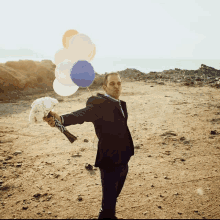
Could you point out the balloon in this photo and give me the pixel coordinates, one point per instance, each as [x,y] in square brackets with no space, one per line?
[82,73]
[67,36]
[72,63]
[80,48]
[60,56]
[64,90]
[62,72]
[92,54]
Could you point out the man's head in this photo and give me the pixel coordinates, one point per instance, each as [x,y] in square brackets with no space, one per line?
[112,85]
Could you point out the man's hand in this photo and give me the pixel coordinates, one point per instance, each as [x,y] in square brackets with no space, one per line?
[50,120]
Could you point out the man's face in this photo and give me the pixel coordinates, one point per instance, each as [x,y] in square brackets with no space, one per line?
[113,86]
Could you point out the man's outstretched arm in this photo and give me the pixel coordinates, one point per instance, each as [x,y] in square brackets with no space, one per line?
[90,113]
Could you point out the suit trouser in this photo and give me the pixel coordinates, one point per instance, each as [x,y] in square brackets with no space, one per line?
[112,184]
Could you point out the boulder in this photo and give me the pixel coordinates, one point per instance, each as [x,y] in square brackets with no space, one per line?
[24,74]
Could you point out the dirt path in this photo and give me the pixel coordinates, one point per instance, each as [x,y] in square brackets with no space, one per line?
[173,174]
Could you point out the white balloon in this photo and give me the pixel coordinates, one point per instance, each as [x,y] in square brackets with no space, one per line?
[63,71]
[80,48]
[60,56]
[92,53]
[79,38]
[64,90]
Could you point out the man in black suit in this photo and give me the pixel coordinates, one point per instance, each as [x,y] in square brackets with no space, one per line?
[115,147]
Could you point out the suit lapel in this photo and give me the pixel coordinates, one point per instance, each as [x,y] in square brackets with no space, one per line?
[123,105]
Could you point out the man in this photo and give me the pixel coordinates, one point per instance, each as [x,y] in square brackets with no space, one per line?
[115,147]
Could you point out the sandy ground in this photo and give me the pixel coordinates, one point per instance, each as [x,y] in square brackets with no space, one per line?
[175,172]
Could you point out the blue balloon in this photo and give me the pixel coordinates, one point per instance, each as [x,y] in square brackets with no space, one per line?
[82,73]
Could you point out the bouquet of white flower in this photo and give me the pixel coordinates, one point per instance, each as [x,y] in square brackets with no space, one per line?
[41,108]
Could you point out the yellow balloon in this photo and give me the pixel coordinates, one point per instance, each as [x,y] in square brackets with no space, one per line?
[67,36]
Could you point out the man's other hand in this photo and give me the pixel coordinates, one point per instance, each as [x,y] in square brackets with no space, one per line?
[50,120]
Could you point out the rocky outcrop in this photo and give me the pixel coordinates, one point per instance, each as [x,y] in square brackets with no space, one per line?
[24,74]
[34,76]
[205,75]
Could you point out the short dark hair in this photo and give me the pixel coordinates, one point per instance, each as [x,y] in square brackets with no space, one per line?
[105,81]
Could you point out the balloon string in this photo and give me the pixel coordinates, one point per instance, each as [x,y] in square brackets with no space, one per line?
[95,134]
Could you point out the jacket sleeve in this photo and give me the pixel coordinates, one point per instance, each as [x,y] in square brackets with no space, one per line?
[90,113]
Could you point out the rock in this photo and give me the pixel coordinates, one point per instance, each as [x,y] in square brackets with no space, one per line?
[186,142]
[168,133]
[37,195]
[17,152]
[89,167]
[8,157]
[49,197]
[76,155]
[23,74]
[137,147]
[56,175]
[6,140]
[1,182]
[210,71]
[79,198]
[161,83]
[214,132]
[19,165]
[85,140]
[25,207]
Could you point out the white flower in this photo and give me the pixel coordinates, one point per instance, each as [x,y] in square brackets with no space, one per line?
[40,108]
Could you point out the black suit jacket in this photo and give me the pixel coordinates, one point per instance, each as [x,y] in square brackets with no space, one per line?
[115,144]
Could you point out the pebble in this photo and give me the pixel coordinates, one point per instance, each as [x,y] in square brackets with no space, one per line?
[8,158]
[18,164]
[88,166]
[17,152]
[214,132]
[37,195]
[79,198]
[76,155]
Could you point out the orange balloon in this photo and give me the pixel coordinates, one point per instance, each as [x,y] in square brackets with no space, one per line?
[67,36]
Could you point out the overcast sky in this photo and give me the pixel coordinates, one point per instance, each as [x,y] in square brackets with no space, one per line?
[178,29]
